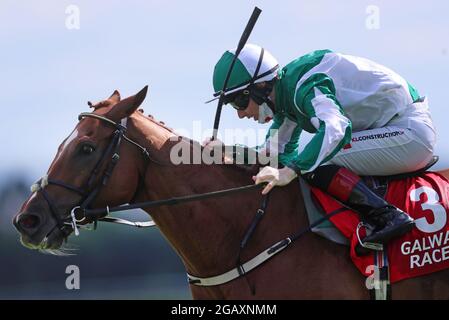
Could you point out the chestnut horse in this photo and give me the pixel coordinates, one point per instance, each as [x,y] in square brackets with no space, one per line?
[206,234]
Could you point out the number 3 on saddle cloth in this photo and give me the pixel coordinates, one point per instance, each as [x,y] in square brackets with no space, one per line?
[423,250]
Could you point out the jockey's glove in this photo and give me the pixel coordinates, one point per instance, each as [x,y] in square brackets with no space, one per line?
[274,177]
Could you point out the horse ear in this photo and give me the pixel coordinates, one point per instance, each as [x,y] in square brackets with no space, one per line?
[127,106]
[115,97]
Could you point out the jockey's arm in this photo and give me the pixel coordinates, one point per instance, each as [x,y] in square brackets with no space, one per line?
[282,139]
[333,128]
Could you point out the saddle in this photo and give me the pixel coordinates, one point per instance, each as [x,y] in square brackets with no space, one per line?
[379,184]
[422,194]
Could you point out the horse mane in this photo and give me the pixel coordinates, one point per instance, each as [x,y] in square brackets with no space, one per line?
[161,124]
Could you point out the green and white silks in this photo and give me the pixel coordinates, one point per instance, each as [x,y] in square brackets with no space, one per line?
[332,95]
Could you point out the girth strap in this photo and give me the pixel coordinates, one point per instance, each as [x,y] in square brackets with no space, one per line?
[260,258]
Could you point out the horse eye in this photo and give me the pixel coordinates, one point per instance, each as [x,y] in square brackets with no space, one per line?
[88,149]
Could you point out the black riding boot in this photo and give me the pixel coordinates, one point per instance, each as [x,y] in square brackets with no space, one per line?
[387,221]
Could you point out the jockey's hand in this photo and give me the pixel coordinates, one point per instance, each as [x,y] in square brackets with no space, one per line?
[217,146]
[274,177]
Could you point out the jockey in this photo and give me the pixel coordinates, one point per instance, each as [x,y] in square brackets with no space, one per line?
[365,120]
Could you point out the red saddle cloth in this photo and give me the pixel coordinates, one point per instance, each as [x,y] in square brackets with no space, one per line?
[422,251]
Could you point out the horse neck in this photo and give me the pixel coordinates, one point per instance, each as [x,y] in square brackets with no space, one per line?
[205,233]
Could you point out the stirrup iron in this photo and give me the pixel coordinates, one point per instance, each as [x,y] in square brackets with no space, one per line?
[368,245]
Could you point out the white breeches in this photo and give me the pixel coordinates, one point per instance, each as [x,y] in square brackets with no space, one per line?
[405,144]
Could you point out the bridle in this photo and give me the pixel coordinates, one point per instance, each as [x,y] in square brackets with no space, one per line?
[89,191]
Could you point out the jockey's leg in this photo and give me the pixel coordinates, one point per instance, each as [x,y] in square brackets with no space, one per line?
[388,221]
[405,145]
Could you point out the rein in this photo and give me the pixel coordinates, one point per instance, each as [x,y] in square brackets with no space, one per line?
[97,214]
[81,213]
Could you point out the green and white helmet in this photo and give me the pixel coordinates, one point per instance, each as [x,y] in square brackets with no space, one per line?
[254,64]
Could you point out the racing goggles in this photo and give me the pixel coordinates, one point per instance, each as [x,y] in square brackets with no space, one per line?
[238,100]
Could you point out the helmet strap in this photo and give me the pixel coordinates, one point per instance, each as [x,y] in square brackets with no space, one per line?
[262,94]
[258,94]
[259,63]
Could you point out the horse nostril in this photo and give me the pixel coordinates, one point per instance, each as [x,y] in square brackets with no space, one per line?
[29,221]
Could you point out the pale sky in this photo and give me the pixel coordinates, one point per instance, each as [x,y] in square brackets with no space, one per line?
[48,72]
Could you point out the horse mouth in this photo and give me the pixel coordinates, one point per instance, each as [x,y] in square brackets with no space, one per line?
[53,241]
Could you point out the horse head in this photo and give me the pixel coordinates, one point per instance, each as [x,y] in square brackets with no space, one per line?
[78,174]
